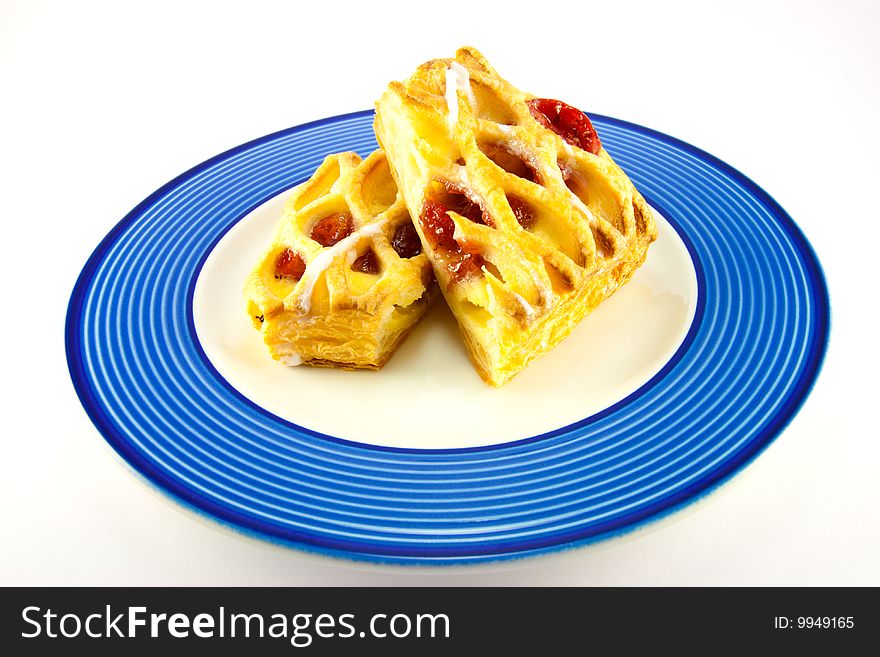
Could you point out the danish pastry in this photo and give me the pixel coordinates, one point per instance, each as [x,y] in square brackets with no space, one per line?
[526,219]
[345,278]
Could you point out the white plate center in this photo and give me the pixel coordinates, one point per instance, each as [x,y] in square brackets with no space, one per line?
[428,395]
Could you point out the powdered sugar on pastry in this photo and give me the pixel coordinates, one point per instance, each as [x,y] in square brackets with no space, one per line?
[521,150]
[324,259]
[530,311]
[457,79]
[526,306]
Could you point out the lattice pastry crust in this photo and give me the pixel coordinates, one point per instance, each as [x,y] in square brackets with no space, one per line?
[345,278]
[527,221]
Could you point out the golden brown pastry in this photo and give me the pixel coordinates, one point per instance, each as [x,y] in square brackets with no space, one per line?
[345,278]
[527,221]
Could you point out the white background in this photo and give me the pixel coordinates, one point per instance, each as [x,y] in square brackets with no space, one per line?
[104,102]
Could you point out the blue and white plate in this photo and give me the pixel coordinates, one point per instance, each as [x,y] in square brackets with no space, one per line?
[666,390]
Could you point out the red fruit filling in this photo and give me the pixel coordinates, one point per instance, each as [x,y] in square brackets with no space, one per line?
[457,200]
[289,265]
[406,241]
[566,121]
[367,263]
[332,229]
[522,211]
[439,229]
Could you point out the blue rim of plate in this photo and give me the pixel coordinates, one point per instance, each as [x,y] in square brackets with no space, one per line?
[748,362]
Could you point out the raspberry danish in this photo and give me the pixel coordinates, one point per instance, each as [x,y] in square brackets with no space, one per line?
[345,279]
[526,219]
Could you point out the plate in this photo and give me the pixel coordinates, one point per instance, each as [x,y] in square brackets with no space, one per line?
[419,463]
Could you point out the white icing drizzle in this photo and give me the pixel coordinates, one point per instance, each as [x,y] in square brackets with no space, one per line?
[583,208]
[324,259]
[522,151]
[526,306]
[591,219]
[530,311]
[457,79]
[549,297]
[291,360]
[519,149]
[576,200]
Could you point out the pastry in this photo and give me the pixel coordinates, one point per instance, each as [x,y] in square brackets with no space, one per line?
[526,219]
[345,278]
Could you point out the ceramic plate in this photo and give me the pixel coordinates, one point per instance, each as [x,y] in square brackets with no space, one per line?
[667,389]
